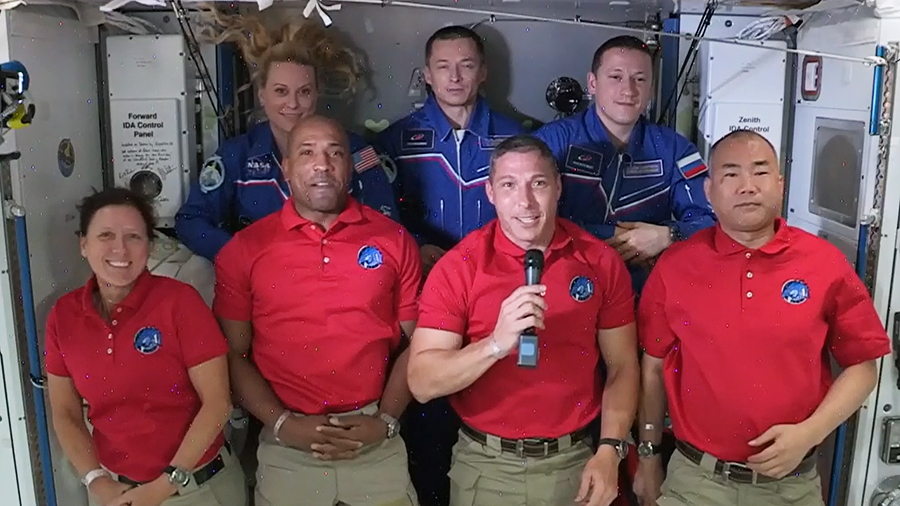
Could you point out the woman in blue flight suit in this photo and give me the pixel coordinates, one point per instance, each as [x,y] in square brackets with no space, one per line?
[243,182]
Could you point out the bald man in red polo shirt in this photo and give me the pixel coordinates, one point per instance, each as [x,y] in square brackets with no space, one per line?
[313,300]
[747,379]
[525,438]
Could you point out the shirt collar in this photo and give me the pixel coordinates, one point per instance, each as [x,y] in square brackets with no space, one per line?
[725,245]
[133,300]
[598,134]
[479,121]
[291,219]
[502,244]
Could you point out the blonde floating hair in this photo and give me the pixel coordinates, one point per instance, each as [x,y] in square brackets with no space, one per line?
[299,41]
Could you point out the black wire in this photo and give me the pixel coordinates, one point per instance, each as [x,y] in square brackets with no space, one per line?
[194,51]
[691,56]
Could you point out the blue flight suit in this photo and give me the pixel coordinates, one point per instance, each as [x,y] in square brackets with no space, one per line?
[441,187]
[658,178]
[243,182]
[440,178]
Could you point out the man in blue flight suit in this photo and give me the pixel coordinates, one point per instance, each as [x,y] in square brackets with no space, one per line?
[636,184]
[243,182]
[442,153]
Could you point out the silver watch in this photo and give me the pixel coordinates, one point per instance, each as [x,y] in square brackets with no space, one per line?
[178,476]
[393,426]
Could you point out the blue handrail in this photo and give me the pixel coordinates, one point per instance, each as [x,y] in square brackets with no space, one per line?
[34,355]
[877,81]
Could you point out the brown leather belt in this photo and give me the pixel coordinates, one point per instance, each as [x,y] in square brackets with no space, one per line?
[738,472]
[530,447]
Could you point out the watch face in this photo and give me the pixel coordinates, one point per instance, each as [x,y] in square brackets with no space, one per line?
[181,477]
[645,450]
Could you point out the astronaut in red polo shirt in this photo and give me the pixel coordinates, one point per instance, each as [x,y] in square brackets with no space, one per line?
[747,379]
[312,300]
[524,438]
[144,352]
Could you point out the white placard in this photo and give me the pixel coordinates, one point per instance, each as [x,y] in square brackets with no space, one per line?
[764,119]
[146,135]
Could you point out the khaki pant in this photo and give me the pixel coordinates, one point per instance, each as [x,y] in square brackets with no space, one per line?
[688,484]
[226,488]
[379,476]
[481,475]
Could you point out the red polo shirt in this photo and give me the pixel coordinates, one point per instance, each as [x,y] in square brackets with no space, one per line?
[326,306]
[744,333]
[588,289]
[133,370]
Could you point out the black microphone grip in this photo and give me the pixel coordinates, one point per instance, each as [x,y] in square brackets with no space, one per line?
[528,340]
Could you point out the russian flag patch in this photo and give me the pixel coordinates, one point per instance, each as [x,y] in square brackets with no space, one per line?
[365,159]
[691,165]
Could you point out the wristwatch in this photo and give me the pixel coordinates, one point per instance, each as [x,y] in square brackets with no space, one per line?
[674,234]
[647,449]
[178,476]
[620,445]
[393,426]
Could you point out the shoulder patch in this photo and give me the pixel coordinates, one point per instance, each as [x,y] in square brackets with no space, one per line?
[691,165]
[645,169]
[417,138]
[583,161]
[365,159]
[212,174]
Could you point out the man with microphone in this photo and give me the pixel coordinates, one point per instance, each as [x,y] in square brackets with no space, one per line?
[520,362]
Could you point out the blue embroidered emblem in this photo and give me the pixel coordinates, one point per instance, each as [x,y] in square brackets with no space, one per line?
[147,340]
[369,257]
[795,291]
[581,288]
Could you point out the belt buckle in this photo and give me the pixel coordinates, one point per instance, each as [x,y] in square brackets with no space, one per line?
[520,448]
[726,471]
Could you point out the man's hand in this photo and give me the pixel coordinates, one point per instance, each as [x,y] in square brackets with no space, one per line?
[430,255]
[362,430]
[638,241]
[789,444]
[303,433]
[105,489]
[148,494]
[648,480]
[600,479]
[524,308]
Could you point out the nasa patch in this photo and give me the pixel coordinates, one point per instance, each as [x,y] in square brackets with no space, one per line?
[583,161]
[639,170]
[581,288]
[369,257]
[417,138]
[212,174]
[258,166]
[795,291]
[147,340]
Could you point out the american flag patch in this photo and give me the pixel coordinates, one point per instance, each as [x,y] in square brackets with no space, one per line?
[365,159]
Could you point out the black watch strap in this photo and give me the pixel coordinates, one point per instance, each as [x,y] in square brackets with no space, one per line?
[620,445]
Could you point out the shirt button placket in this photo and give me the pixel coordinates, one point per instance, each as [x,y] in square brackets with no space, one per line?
[748,275]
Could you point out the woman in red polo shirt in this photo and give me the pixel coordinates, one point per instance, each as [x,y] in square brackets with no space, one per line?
[147,356]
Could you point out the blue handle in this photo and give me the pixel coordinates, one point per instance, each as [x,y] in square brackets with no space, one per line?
[875,109]
[34,358]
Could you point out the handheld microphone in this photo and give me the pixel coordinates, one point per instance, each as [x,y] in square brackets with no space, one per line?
[528,340]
